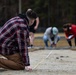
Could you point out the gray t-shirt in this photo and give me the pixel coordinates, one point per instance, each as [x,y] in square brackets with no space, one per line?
[49,34]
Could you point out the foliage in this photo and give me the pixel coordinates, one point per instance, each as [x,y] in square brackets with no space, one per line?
[50,12]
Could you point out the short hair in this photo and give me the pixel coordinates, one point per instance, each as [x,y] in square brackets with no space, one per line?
[67,25]
[29,9]
[31,14]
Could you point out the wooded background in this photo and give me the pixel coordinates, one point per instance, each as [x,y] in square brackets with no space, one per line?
[50,12]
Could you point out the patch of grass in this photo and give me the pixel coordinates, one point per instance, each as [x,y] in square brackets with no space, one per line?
[61,43]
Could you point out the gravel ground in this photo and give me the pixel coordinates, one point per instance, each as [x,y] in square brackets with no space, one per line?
[49,62]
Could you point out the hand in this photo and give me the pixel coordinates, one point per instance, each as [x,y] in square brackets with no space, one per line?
[28,68]
[35,27]
[53,45]
[28,41]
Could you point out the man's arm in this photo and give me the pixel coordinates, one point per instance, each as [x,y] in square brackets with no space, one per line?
[22,42]
[55,39]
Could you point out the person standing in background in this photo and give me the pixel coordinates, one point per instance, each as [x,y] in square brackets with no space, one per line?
[32,29]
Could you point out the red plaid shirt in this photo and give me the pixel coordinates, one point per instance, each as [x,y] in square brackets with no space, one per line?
[13,38]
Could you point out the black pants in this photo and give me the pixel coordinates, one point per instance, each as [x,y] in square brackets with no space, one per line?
[70,43]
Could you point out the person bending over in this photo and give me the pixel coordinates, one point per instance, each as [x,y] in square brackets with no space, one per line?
[70,32]
[14,40]
[32,29]
[51,35]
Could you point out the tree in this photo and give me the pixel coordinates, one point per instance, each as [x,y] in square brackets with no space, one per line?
[51,12]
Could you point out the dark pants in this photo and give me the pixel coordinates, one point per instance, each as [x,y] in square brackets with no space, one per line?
[70,43]
[13,62]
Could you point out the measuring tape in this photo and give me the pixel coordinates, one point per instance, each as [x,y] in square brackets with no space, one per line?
[42,60]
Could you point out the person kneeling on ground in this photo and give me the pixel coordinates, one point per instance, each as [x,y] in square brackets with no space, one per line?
[14,39]
[70,32]
[51,35]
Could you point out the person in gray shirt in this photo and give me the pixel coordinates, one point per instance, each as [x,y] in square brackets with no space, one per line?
[51,35]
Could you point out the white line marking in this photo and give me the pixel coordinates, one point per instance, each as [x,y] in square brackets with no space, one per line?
[42,60]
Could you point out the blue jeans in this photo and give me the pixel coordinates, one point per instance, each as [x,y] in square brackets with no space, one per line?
[45,38]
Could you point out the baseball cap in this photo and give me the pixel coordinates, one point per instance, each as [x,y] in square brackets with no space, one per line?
[55,30]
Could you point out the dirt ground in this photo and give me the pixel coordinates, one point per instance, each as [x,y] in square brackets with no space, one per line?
[58,61]
[49,62]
